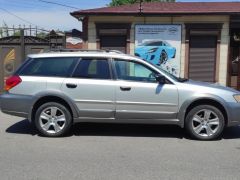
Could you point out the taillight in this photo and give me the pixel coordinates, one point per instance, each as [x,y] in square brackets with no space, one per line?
[12,82]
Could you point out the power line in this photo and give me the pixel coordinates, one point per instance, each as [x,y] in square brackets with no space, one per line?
[49,2]
[18,17]
[24,5]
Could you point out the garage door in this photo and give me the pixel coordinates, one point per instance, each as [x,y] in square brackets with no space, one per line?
[202,58]
[113,43]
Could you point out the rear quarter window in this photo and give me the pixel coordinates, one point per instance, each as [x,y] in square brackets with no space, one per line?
[54,67]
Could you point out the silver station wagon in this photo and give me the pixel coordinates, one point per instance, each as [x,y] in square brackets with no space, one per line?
[57,89]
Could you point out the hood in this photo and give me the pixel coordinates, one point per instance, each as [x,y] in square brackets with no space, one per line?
[145,48]
[210,85]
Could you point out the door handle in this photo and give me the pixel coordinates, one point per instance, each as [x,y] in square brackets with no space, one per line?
[69,85]
[123,88]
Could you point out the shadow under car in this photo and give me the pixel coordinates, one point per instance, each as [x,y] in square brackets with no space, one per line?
[124,130]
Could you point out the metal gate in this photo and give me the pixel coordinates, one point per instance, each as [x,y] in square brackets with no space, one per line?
[14,48]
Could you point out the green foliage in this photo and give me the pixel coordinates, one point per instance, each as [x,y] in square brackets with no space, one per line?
[41,34]
[123,2]
[1,32]
[17,33]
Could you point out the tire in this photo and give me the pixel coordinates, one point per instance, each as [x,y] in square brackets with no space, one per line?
[53,119]
[163,57]
[205,122]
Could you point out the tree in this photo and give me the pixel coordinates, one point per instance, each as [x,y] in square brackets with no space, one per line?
[123,2]
[41,34]
[17,33]
[1,32]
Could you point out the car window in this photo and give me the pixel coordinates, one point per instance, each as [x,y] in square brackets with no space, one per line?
[134,71]
[93,69]
[56,67]
[157,43]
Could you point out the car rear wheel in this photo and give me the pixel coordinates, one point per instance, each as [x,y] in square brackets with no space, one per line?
[205,122]
[53,119]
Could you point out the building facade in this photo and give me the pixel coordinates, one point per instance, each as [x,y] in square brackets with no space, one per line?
[200,41]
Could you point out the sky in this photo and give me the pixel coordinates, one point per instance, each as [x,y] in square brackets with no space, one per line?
[51,16]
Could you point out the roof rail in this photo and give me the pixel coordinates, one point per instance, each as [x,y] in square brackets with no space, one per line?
[115,51]
[85,50]
[76,50]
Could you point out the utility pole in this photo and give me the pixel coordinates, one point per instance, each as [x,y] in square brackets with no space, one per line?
[22,44]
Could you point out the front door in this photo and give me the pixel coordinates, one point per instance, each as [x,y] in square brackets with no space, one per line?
[92,89]
[139,96]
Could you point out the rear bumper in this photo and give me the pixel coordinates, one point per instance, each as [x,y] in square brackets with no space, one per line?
[17,105]
[233,114]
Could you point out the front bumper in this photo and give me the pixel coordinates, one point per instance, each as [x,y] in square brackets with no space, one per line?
[233,114]
[15,104]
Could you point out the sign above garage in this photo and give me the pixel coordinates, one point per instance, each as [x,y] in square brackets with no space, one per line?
[159,44]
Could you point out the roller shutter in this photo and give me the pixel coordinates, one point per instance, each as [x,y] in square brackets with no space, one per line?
[202,58]
[113,43]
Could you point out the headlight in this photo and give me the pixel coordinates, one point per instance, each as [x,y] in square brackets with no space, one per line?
[237,97]
[152,50]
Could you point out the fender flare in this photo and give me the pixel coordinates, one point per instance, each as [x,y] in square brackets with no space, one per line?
[57,94]
[187,103]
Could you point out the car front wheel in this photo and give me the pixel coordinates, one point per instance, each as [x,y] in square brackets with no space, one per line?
[205,122]
[163,57]
[53,119]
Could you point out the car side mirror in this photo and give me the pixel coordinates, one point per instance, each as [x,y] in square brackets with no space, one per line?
[160,78]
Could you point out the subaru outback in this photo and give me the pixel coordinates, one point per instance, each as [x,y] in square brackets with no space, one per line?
[54,90]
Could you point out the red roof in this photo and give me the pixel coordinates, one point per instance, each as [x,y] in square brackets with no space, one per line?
[163,8]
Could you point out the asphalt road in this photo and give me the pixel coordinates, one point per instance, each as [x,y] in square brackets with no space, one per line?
[124,152]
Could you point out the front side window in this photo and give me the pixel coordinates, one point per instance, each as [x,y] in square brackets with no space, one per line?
[93,69]
[134,71]
[53,67]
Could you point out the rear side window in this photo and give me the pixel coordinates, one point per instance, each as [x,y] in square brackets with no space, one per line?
[54,67]
[93,69]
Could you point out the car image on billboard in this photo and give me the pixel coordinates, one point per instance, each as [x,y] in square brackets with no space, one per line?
[156,52]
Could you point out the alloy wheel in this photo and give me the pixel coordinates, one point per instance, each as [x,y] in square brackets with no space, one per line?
[163,58]
[205,123]
[52,120]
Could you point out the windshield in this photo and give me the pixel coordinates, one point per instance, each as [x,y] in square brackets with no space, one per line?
[178,79]
[167,44]
[153,43]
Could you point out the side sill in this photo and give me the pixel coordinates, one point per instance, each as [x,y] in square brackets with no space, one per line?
[15,113]
[129,121]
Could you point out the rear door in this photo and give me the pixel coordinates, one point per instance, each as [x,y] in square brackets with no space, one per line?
[92,88]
